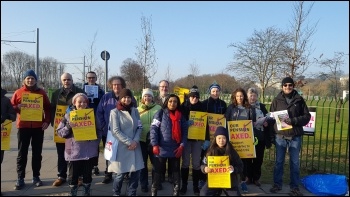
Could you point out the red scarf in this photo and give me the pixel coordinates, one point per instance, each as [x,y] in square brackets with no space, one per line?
[175,120]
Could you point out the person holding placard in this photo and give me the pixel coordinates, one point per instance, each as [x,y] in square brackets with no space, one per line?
[61,99]
[221,146]
[29,100]
[193,146]
[79,153]
[291,139]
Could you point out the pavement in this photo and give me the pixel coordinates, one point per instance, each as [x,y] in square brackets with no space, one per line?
[49,173]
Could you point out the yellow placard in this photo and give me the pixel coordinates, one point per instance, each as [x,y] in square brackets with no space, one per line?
[60,112]
[84,124]
[242,137]
[6,127]
[181,93]
[197,130]
[32,109]
[219,174]
[215,120]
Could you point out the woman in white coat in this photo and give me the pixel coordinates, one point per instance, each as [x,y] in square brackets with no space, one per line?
[126,127]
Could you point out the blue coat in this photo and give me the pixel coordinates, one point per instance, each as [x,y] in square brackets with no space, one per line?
[161,134]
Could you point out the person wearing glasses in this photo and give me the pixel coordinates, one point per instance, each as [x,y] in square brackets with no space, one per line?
[62,97]
[107,103]
[299,115]
[91,78]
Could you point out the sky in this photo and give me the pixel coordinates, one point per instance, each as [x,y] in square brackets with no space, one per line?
[185,32]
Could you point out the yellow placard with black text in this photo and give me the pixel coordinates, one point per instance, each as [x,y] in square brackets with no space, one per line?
[32,107]
[60,112]
[6,127]
[242,137]
[197,130]
[83,121]
[215,120]
[219,174]
[180,92]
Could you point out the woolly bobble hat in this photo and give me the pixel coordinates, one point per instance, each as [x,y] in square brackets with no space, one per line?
[194,92]
[220,130]
[125,92]
[214,85]
[30,73]
[147,91]
[287,80]
[79,94]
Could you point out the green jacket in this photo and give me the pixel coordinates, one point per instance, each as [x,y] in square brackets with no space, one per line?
[146,114]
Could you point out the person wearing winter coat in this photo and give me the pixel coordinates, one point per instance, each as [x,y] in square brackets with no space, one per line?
[125,126]
[193,148]
[299,115]
[221,146]
[7,112]
[30,132]
[168,135]
[79,154]
[147,109]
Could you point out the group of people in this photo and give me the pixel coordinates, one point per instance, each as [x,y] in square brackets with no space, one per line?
[156,129]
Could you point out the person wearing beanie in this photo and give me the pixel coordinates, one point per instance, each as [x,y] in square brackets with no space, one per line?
[29,130]
[108,102]
[79,154]
[192,153]
[240,109]
[62,99]
[221,146]
[216,106]
[299,115]
[126,127]
[168,136]
[147,109]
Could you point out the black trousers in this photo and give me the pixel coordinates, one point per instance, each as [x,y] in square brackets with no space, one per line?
[61,161]
[27,136]
[254,165]
[80,167]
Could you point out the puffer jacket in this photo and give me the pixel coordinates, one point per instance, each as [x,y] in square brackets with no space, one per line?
[7,111]
[161,134]
[77,150]
[297,110]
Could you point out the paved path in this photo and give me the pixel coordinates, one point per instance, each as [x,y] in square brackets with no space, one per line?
[49,171]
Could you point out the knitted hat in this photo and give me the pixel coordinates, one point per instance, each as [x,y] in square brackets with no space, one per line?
[287,80]
[30,73]
[214,85]
[79,94]
[220,130]
[125,92]
[194,92]
[147,91]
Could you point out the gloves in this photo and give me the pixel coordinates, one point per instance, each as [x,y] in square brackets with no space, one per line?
[205,145]
[190,122]
[288,121]
[178,151]
[156,150]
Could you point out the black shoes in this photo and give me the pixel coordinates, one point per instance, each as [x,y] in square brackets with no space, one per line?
[19,184]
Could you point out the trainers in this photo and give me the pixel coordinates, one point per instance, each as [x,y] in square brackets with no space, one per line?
[59,181]
[275,188]
[244,187]
[107,179]
[96,171]
[19,184]
[37,182]
[295,192]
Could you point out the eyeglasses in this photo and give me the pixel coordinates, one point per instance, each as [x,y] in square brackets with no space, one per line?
[288,85]
[116,84]
[66,79]
[91,77]
[194,97]
[163,86]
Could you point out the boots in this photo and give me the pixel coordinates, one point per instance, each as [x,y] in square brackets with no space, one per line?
[108,178]
[176,177]
[155,183]
[195,179]
[73,190]
[160,186]
[184,178]
[86,189]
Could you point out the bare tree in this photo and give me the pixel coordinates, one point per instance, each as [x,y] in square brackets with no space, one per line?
[261,57]
[194,71]
[168,73]
[90,59]
[146,53]
[131,72]
[299,48]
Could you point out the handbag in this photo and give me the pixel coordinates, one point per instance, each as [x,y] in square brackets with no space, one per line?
[111,147]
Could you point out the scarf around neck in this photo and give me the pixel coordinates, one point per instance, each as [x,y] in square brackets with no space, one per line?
[176,129]
[122,107]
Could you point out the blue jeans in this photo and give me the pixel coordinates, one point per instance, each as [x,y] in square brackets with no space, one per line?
[132,185]
[294,146]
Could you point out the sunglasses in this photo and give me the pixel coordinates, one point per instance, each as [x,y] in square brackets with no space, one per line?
[288,85]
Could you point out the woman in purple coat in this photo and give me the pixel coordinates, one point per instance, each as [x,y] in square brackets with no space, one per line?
[79,153]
